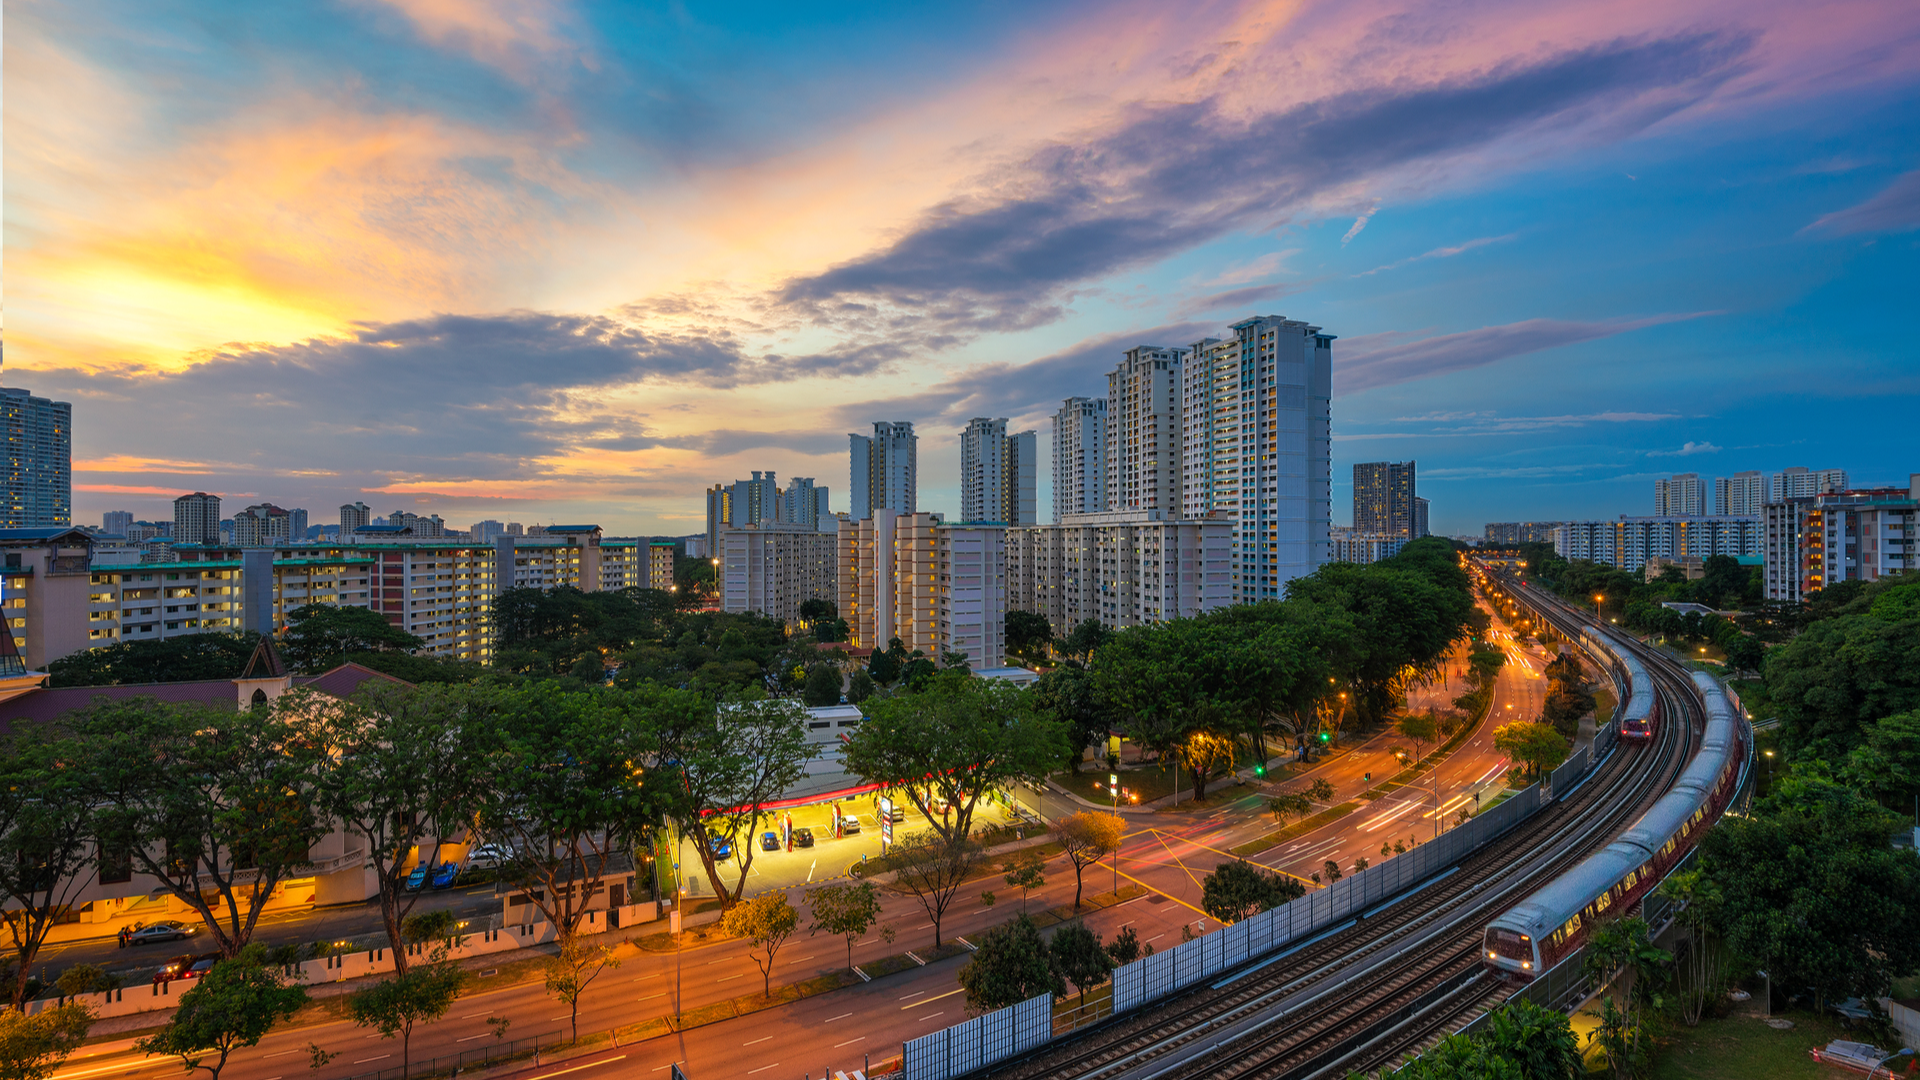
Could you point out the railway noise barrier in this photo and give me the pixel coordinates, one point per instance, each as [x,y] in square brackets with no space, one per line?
[997,1036]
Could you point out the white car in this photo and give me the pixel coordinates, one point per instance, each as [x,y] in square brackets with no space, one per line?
[489,856]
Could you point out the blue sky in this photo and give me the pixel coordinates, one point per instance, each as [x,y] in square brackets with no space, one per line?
[558,261]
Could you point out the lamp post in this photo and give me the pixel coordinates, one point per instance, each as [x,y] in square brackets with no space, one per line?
[1769,770]
[1883,1061]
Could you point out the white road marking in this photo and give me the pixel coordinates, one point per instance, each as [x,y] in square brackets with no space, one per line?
[761,1039]
[589,1065]
[930,1016]
[849,1042]
[382,1057]
[761,1069]
[931,1000]
[730,978]
[650,997]
[470,1038]
[831,1019]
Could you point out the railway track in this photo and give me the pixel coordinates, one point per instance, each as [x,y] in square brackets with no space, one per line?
[1361,995]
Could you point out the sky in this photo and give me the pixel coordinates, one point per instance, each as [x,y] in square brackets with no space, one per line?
[554,261]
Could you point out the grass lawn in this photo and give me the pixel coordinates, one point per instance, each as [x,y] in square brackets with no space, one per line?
[1603,706]
[1743,1045]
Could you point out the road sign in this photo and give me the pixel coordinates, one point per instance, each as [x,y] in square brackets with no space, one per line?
[885,806]
[1113,779]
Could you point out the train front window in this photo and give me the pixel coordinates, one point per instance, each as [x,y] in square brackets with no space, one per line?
[1508,945]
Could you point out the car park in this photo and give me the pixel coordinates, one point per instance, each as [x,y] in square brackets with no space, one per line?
[803,837]
[161,931]
[769,841]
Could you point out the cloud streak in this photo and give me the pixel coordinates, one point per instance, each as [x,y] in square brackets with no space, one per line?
[1376,360]
[1895,208]
[1440,253]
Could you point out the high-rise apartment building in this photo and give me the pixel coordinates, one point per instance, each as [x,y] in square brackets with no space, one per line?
[1143,431]
[1742,494]
[354,517]
[1814,541]
[773,568]
[485,532]
[1800,482]
[1354,546]
[1261,407]
[1628,542]
[297,523]
[1510,533]
[262,525]
[1124,568]
[997,473]
[1079,458]
[196,519]
[660,555]
[884,470]
[1421,508]
[1384,498]
[116,523]
[761,501]
[39,436]
[939,587]
[1682,496]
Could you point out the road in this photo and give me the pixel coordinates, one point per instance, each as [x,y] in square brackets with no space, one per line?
[1169,853]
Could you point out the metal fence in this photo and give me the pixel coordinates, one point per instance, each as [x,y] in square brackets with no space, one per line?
[1561,780]
[980,1041]
[987,1039]
[479,1057]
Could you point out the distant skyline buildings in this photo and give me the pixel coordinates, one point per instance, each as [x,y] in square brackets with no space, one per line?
[39,464]
[883,469]
[1079,457]
[196,519]
[998,473]
[1384,498]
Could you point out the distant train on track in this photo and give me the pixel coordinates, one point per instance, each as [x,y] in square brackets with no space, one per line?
[1640,708]
[1551,923]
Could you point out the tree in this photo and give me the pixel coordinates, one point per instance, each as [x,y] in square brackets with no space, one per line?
[1698,907]
[1293,804]
[218,804]
[1236,890]
[1521,1041]
[1537,748]
[570,973]
[822,686]
[1087,837]
[1125,947]
[1012,965]
[731,762]
[404,777]
[32,1047]
[860,687]
[932,868]
[955,740]
[560,791]
[1086,638]
[319,635]
[1026,871]
[766,922]
[1079,957]
[185,658]
[815,609]
[46,839]
[418,994]
[1810,890]
[1624,945]
[1332,870]
[1839,676]
[1028,635]
[1069,695]
[1887,763]
[847,910]
[232,1006]
[1745,654]
[1423,729]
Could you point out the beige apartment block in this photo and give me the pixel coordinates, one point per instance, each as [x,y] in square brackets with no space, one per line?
[939,587]
[1124,568]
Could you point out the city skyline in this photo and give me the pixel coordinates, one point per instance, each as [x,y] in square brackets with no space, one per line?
[545,264]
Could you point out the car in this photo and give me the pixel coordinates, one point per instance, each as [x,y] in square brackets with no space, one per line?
[174,968]
[898,813]
[803,837]
[443,877]
[162,931]
[720,846]
[849,825]
[201,966]
[418,879]
[769,841]
[489,856]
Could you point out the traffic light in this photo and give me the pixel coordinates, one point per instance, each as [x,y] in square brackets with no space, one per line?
[1260,770]
[1326,737]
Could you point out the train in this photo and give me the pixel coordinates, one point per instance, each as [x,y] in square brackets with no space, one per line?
[1542,929]
[1640,704]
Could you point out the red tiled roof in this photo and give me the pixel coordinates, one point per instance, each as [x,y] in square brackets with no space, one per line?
[345,679]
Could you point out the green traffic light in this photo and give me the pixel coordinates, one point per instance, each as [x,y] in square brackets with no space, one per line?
[1325,737]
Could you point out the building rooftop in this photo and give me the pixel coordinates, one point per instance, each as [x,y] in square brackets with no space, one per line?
[43,534]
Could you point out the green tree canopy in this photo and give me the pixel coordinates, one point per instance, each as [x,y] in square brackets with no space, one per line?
[1838,676]
[1080,958]
[47,830]
[1536,748]
[232,1006]
[186,658]
[319,636]
[1236,890]
[1810,889]
[1012,964]
[955,739]
[1028,635]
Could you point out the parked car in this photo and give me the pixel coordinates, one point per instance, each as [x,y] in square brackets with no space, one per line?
[201,966]
[769,841]
[443,877]
[720,846]
[849,825]
[803,837]
[418,879]
[489,856]
[898,813]
[162,931]
[173,969]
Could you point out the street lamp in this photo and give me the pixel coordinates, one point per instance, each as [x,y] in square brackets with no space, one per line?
[1897,1053]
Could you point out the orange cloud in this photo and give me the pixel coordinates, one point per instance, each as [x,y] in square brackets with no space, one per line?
[515,37]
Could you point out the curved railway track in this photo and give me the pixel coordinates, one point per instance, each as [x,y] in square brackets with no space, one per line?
[1361,995]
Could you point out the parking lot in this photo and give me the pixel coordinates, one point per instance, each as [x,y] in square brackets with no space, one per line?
[830,856]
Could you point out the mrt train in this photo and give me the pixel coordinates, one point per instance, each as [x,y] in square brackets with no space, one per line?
[1640,705]
[1541,930]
